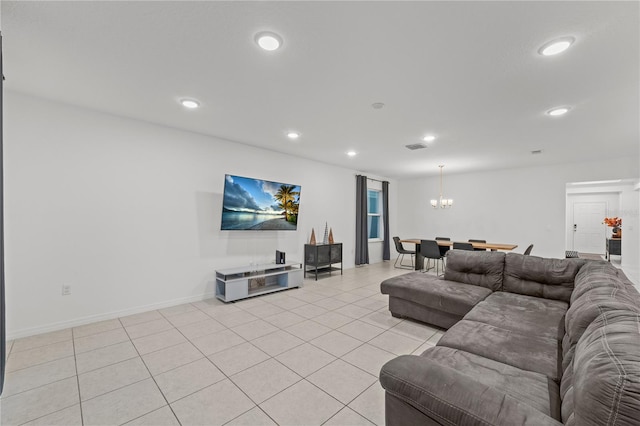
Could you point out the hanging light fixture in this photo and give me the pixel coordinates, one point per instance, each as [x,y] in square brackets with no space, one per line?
[443,203]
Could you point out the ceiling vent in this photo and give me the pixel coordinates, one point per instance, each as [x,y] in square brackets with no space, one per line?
[415,146]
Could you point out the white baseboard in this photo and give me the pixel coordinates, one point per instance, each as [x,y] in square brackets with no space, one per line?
[26,332]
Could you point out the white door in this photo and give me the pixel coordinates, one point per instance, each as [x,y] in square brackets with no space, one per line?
[588,230]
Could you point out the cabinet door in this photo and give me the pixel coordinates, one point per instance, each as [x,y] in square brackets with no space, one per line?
[324,255]
[310,254]
[336,253]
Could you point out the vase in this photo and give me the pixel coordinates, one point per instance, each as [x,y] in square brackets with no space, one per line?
[617,232]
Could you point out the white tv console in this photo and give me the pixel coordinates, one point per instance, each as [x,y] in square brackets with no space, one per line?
[248,281]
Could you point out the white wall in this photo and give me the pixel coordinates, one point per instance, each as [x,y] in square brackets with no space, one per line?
[128,213]
[521,206]
[630,214]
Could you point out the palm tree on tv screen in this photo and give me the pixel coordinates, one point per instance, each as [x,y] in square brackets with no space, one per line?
[286,195]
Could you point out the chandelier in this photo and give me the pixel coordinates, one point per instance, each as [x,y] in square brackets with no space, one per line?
[442,202]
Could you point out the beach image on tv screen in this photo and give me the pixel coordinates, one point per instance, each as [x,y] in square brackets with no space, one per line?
[255,204]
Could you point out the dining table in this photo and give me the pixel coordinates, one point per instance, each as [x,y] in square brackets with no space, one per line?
[419,264]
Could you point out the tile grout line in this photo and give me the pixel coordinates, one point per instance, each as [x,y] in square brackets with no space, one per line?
[333,291]
[154,381]
[73,343]
[66,378]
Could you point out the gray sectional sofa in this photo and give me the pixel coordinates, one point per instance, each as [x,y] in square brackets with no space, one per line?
[530,341]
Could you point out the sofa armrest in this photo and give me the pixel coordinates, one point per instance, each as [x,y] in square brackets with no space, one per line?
[447,396]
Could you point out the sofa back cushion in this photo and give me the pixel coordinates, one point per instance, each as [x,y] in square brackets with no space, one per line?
[484,269]
[540,277]
[599,288]
[605,382]
[595,274]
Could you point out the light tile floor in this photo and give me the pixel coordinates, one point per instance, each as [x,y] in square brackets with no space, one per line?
[308,356]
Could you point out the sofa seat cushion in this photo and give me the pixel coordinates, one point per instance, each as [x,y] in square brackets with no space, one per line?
[436,293]
[533,389]
[523,314]
[532,353]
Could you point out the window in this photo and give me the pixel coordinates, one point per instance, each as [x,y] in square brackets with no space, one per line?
[374,211]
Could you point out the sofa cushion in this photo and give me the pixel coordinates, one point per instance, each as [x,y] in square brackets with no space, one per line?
[420,391]
[595,274]
[593,303]
[402,308]
[483,269]
[436,293]
[540,277]
[524,314]
[534,389]
[606,371]
[532,353]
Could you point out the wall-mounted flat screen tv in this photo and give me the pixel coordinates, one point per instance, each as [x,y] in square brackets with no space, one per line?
[257,204]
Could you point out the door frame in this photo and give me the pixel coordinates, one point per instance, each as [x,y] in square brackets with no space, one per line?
[602,249]
[613,208]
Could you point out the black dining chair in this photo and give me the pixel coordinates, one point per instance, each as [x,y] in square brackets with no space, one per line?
[401,252]
[443,249]
[527,252]
[429,249]
[463,246]
[478,241]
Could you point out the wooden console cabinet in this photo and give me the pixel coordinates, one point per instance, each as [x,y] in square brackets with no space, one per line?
[321,258]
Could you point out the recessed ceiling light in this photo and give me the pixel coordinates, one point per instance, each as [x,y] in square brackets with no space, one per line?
[268,41]
[293,135]
[351,153]
[189,103]
[429,138]
[557,112]
[377,105]
[556,46]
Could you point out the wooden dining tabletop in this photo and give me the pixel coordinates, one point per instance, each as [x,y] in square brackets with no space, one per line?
[445,243]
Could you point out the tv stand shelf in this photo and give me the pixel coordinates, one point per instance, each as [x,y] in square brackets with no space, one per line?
[253,280]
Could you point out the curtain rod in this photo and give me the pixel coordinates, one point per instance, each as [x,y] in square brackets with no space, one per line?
[376,180]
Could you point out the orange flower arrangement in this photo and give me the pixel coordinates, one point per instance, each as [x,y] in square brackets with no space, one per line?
[614,222]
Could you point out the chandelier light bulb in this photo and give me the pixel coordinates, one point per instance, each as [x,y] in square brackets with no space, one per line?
[441,202]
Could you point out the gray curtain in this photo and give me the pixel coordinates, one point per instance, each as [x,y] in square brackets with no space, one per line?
[3,315]
[362,237]
[386,251]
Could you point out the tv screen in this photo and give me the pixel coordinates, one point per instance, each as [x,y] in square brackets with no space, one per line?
[256,204]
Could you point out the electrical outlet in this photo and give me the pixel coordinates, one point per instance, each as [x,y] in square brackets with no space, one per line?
[66,290]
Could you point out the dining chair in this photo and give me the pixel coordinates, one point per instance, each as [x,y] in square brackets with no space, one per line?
[527,252]
[463,246]
[429,249]
[478,241]
[443,250]
[401,252]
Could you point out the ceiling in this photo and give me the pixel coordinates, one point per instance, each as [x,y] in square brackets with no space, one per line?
[467,72]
